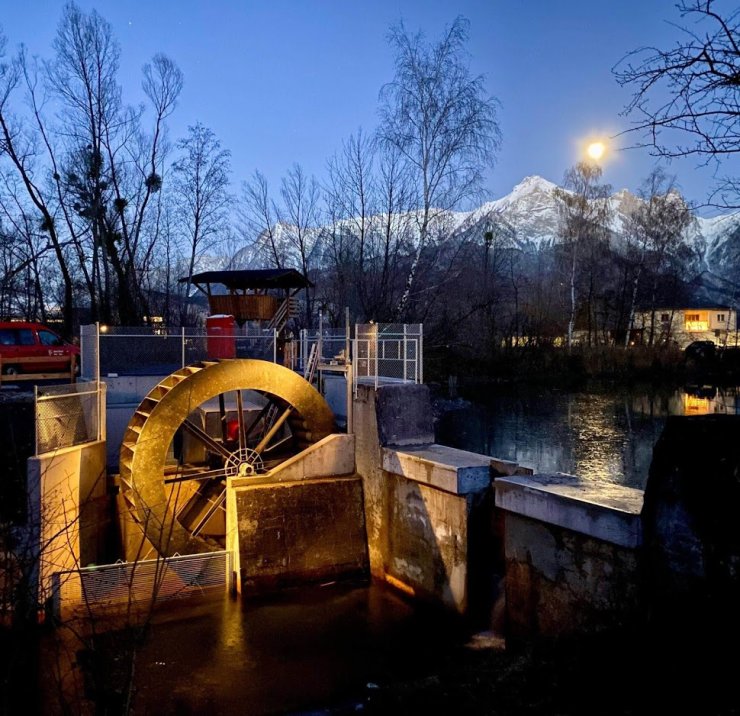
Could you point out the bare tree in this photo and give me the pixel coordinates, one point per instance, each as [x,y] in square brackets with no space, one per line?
[201,193]
[88,166]
[259,222]
[351,197]
[584,213]
[436,114]
[657,228]
[687,98]
[300,216]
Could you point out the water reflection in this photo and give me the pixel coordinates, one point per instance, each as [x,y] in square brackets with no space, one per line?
[598,434]
[302,651]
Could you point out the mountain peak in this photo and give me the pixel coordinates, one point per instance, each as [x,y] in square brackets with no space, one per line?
[532,183]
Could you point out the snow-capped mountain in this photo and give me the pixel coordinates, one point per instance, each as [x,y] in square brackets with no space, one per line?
[527,218]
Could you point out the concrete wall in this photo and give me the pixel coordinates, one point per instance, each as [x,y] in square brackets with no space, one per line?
[572,553]
[303,522]
[550,555]
[422,500]
[68,509]
[292,533]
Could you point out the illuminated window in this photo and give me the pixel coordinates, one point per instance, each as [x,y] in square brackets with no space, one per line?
[694,322]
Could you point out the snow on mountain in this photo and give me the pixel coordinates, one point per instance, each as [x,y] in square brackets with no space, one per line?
[530,212]
[527,218]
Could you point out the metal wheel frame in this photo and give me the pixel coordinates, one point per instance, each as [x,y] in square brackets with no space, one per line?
[148,438]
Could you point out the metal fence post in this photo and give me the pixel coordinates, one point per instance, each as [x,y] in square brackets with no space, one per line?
[404,352]
[182,338]
[36,419]
[347,346]
[376,356]
[97,351]
[420,356]
[274,345]
[350,391]
[320,347]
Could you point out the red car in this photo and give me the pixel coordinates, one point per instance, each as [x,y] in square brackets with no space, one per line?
[19,340]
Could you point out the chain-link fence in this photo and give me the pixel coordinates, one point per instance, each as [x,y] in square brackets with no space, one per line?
[379,351]
[68,415]
[124,350]
[388,352]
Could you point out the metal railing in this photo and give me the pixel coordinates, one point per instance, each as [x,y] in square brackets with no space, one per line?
[68,415]
[100,589]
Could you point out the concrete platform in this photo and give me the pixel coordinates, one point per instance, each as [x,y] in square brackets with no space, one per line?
[457,471]
[600,510]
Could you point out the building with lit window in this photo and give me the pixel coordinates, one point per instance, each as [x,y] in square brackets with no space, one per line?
[683,326]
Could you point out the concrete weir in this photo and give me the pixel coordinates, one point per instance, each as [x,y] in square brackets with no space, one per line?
[485,538]
[529,554]
[302,523]
[521,554]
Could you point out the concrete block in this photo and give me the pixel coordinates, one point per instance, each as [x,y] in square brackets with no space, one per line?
[457,471]
[604,511]
[404,415]
[560,582]
[426,542]
[294,533]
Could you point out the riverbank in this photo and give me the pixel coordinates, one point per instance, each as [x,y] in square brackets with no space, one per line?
[565,368]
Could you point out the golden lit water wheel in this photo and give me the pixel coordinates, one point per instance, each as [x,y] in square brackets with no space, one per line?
[202,424]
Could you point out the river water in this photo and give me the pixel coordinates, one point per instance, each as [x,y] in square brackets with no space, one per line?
[316,650]
[597,433]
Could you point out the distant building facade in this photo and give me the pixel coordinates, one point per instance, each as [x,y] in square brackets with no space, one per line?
[683,326]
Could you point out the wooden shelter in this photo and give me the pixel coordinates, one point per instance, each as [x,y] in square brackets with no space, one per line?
[252,295]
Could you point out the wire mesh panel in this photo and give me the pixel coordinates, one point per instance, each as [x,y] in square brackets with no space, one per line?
[97,589]
[388,352]
[127,350]
[67,415]
[89,352]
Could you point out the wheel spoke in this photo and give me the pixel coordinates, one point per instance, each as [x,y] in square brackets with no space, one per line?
[259,417]
[222,415]
[271,432]
[209,513]
[197,475]
[278,443]
[240,420]
[206,439]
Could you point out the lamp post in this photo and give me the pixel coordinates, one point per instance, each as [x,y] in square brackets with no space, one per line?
[488,238]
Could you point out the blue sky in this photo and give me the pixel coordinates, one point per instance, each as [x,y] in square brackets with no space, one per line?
[285,81]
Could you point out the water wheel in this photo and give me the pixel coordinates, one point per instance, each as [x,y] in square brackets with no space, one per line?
[174,463]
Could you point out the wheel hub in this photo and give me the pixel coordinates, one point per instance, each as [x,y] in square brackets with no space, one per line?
[244,463]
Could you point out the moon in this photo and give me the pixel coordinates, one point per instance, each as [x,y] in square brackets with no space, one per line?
[596,150]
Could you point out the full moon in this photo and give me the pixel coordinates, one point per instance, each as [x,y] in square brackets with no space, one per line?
[596,150]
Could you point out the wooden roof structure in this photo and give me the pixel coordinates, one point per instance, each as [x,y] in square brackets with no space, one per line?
[251,293]
[249,279]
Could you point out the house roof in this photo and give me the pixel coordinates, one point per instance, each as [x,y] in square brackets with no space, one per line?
[256,278]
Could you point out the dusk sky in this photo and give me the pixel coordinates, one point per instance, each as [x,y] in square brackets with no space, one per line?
[282,82]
